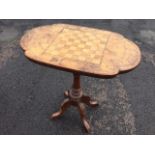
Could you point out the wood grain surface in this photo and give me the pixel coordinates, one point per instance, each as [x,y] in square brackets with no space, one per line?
[81,49]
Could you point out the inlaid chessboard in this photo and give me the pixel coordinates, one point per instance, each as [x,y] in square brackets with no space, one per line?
[81,49]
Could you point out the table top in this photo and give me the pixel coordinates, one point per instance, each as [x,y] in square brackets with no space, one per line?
[80,49]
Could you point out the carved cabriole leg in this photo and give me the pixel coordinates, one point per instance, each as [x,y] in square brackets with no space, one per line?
[82,112]
[65,104]
[76,98]
[87,100]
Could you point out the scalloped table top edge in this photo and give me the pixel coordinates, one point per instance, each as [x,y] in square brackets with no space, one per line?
[88,51]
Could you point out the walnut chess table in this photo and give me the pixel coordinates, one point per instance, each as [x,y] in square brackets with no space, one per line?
[82,51]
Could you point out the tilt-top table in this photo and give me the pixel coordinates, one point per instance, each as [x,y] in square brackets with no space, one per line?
[82,51]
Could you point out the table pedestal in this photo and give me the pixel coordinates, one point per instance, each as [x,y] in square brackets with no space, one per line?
[75,97]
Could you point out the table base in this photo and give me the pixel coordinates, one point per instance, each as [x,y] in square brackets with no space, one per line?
[75,97]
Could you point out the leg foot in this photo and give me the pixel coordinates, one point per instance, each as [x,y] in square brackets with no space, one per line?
[66,103]
[83,117]
[66,93]
[87,100]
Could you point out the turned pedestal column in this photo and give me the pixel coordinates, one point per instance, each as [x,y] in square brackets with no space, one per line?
[75,97]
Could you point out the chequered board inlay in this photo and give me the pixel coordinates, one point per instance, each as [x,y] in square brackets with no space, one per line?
[78,45]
